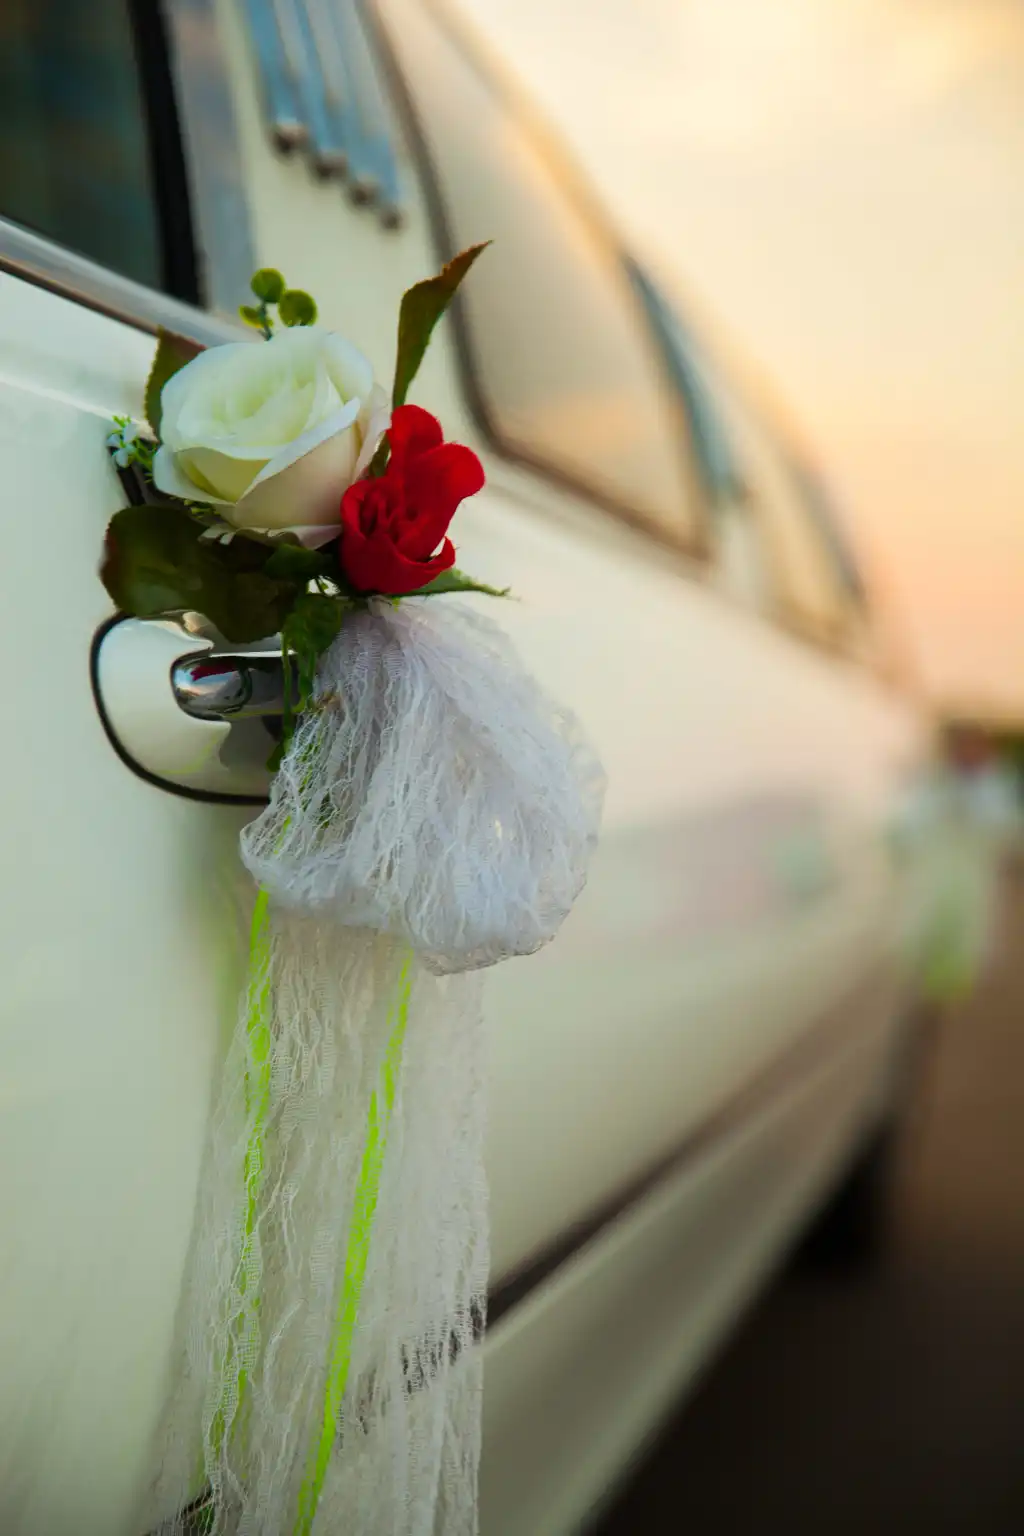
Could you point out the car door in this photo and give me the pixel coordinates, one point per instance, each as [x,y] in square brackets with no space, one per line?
[122,908]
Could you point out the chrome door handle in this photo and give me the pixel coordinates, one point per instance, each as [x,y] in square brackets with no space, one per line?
[184,716]
[219,686]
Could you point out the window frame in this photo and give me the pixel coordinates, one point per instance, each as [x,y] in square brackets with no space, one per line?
[729,481]
[694,543]
[179,253]
[199,76]
[838,637]
[717,461]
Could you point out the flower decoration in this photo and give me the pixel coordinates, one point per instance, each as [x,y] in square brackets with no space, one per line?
[286,487]
[431,813]
[395,527]
[128,445]
[268,436]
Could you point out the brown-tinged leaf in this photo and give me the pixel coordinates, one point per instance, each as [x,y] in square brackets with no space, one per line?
[422,307]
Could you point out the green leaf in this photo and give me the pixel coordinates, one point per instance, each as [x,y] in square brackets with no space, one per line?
[422,307]
[252,315]
[311,626]
[457,581]
[267,284]
[293,562]
[172,353]
[156,563]
[314,622]
[296,307]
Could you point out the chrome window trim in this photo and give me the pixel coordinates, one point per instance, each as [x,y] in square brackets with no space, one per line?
[278,70]
[321,93]
[47,265]
[206,112]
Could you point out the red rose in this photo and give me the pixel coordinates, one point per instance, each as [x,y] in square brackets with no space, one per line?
[392,525]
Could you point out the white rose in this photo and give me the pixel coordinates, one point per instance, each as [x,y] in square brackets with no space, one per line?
[271,433]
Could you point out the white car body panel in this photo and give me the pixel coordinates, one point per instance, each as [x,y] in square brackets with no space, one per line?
[122,957]
[581,1372]
[745,890]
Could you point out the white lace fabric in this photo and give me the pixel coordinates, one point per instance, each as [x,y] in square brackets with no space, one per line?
[434,813]
[436,794]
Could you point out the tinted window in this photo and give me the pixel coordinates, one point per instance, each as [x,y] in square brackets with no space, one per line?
[74,150]
[812,589]
[568,371]
[821,511]
[743,463]
[713,448]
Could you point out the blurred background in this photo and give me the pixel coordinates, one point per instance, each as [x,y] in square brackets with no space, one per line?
[836,187]
[837,184]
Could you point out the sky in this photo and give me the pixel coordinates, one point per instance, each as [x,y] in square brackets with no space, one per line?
[839,186]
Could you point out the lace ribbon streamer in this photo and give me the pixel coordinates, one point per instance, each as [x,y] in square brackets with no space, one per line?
[434,813]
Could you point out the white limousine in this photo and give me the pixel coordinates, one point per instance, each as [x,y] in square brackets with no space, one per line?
[714,1040]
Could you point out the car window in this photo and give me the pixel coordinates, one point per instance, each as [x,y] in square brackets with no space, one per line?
[713,447]
[567,372]
[812,591]
[746,465]
[821,513]
[75,151]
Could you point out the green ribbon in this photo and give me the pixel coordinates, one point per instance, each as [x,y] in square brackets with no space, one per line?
[257,1091]
[360,1232]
